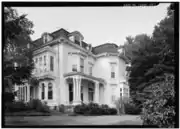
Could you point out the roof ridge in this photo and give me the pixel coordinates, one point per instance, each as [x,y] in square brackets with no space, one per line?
[106,44]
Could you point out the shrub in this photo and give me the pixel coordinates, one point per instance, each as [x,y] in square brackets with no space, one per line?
[61,108]
[8,97]
[37,105]
[112,111]
[132,109]
[94,109]
[16,106]
[159,109]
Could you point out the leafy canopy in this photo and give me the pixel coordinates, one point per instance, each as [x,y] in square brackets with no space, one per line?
[17,57]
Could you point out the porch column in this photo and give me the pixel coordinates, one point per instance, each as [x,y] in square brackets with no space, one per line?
[46,91]
[28,92]
[96,92]
[76,90]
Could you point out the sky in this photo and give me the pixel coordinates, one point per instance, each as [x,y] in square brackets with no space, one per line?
[98,25]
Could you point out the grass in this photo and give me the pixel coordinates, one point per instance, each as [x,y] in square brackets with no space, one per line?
[27,113]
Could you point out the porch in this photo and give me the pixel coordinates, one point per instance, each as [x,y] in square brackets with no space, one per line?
[84,88]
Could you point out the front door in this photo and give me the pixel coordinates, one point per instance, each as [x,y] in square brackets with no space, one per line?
[70,92]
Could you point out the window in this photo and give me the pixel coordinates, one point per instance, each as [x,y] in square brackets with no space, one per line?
[74,68]
[51,63]
[81,93]
[44,60]
[82,65]
[40,61]
[43,92]
[90,70]
[120,92]
[112,70]
[36,60]
[50,91]
[91,94]
[70,92]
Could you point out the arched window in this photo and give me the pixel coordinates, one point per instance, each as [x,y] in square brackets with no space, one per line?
[43,91]
[50,91]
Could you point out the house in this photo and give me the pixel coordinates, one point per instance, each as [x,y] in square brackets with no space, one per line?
[71,71]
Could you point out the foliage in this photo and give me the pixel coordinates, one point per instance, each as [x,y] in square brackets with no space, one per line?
[33,105]
[160,108]
[61,108]
[37,105]
[8,97]
[16,106]
[126,106]
[94,109]
[150,57]
[131,108]
[17,30]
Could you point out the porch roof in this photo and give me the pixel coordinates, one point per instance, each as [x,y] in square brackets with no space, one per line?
[84,75]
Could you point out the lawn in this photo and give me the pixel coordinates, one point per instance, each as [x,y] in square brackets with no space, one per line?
[73,120]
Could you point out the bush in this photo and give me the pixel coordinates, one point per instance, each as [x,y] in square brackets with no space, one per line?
[15,106]
[132,109]
[159,109]
[94,109]
[37,105]
[8,97]
[112,111]
[61,108]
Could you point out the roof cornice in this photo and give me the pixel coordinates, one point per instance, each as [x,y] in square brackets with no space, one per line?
[44,49]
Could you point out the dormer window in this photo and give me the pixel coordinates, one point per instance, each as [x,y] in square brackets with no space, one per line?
[89,47]
[76,37]
[72,38]
[46,37]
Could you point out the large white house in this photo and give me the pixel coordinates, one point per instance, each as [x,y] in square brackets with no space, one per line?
[71,71]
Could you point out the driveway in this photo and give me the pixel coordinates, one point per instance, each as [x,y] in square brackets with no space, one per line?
[73,120]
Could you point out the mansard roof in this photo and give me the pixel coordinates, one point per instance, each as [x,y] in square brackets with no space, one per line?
[55,35]
[107,47]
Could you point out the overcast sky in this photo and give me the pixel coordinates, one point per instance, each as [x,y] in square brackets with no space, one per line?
[98,25]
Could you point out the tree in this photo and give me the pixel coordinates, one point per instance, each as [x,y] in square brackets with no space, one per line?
[152,58]
[17,55]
